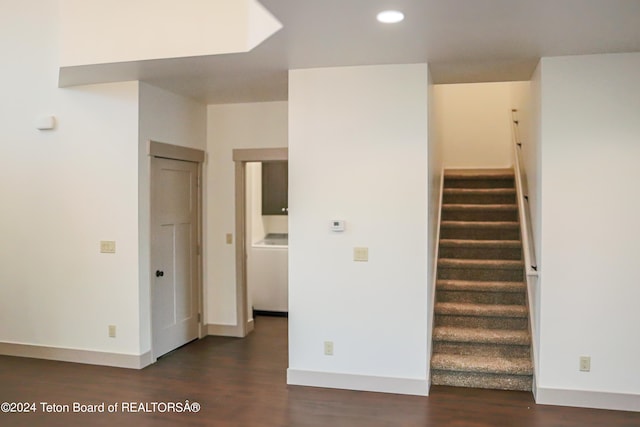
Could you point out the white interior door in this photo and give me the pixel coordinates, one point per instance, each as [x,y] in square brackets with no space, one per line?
[174,244]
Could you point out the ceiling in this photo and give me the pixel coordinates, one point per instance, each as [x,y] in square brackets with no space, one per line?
[462,40]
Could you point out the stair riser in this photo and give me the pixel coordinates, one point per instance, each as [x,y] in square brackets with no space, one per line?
[476,380]
[483,274]
[511,298]
[513,323]
[488,350]
[480,199]
[479,183]
[472,233]
[462,252]
[479,215]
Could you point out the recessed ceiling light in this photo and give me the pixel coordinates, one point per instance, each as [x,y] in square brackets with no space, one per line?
[390,16]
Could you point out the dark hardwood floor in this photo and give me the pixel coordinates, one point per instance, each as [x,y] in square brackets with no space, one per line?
[243,383]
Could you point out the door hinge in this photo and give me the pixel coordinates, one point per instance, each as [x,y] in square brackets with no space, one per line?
[199,317]
[198,249]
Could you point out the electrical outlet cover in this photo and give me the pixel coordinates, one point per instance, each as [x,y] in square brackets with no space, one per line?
[585,363]
[328,348]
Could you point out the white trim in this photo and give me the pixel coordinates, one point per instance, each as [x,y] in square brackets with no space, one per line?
[260,154]
[229,330]
[412,386]
[224,330]
[588,399]
[175,152]
[89,357]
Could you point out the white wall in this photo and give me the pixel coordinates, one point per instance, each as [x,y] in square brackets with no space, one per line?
[231,126]
[78,185]
[106,31]
[62,192]
[172,119]
[255,224]
[435,189]
[525,98]
[590,231]
[474,121]
[358,152]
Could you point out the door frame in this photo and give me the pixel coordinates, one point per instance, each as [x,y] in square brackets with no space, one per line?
[175,152]
[241,157]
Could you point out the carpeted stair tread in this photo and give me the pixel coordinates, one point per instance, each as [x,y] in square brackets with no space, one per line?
[479,212]
[470,248]
[484,322]
[477,191]
[481,380]
[478,206]
[482,364]
[481,349]
[478,173]
[484,244]
[485,310]
[480,224]
[500,264]
[487,196]
[481,336]
[479,178]
[480,286]
[480,230]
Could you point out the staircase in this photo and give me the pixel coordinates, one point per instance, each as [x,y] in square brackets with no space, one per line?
[481,334]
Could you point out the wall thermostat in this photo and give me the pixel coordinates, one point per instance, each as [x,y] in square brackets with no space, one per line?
[46,123]
[337,225]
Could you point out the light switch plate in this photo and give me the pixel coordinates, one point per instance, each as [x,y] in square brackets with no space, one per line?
[361,254]
[107,246]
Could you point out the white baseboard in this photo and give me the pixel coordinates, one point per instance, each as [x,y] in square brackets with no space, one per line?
[412,386]
[117,360]
[224,330]
[228,330]
[588,399]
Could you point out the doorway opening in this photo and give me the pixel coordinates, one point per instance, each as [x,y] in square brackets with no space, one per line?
[242,157]
[267,238]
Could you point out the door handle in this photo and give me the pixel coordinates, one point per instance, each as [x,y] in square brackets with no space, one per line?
[159,273]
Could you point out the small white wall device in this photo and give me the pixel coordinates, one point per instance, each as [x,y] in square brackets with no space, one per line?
[46,123]
[337,225]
